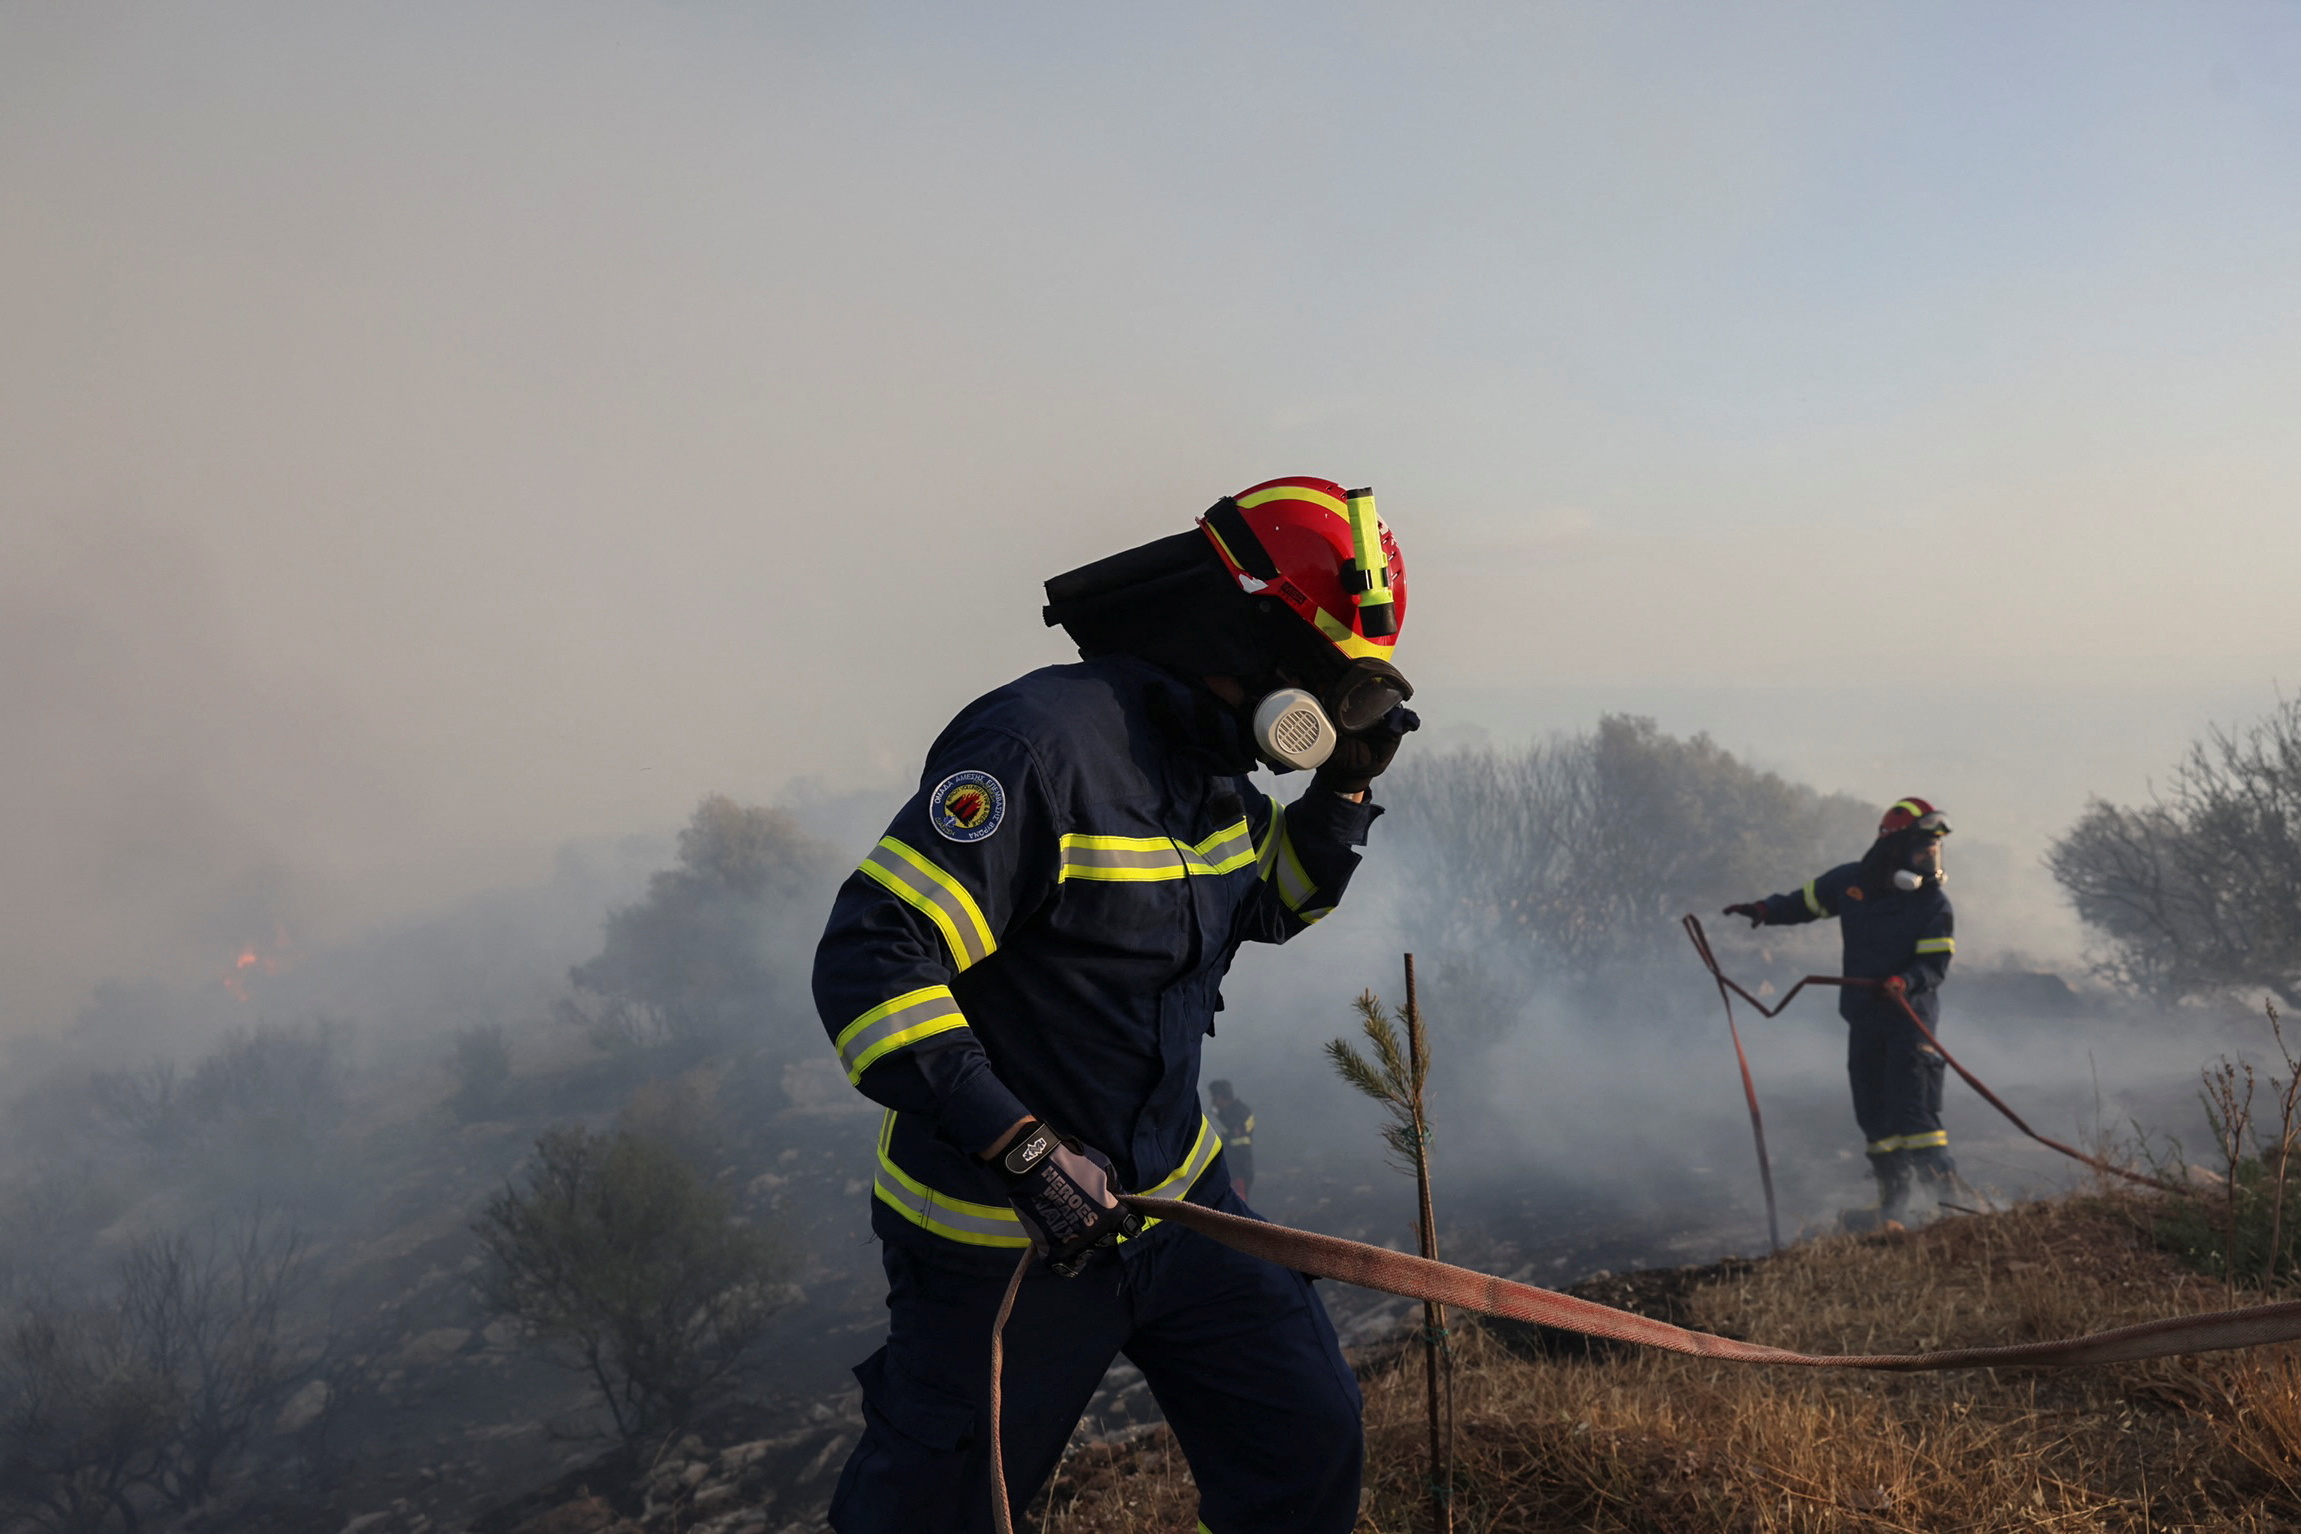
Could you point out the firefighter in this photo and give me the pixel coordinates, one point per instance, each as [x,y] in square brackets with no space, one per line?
[1899,932]
[1237,1121]
[1024,971]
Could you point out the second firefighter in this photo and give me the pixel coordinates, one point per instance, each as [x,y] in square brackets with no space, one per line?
[1899,934]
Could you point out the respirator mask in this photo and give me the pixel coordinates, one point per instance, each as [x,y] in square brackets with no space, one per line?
[1296,728]
[1907,878]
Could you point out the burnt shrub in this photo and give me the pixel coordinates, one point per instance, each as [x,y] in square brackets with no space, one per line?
[615,1256]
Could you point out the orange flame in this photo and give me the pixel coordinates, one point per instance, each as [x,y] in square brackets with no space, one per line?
[254,960]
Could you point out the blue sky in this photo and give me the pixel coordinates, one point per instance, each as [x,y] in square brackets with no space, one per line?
[428,431]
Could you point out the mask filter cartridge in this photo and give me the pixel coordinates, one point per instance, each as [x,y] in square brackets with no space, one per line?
[1291,730]
[1907,879]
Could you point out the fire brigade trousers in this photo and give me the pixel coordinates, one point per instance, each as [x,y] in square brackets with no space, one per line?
[1897,1080]
[1238,1353]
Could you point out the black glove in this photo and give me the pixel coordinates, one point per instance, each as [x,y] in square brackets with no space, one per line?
[1061,1191]
[1756,912]
[1359,759]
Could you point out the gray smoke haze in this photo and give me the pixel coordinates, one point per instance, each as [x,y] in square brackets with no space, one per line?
[430,436]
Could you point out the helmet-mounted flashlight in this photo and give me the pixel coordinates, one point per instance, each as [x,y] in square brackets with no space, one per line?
[1368,578]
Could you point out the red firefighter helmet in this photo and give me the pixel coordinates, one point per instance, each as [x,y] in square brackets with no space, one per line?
[1322,551]
[1913,811]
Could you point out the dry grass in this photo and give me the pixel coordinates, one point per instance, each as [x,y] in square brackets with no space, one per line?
[1653,1442]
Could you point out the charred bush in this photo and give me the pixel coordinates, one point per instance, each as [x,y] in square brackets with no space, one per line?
[206,1315]
[83,1419]
[268,1093]
[144,1106]
[615,1256]
[145,1399]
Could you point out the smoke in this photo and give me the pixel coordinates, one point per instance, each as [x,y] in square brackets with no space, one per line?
[163,786]
[433,435]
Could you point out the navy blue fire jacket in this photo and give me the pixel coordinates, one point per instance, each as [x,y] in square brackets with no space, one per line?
[1909,933]
[1044,931]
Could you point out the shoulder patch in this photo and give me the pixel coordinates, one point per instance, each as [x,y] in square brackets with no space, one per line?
[1854,892]
[967,806]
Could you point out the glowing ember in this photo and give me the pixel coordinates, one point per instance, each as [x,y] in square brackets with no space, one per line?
[256,960]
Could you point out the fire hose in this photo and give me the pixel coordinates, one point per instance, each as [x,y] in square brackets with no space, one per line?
[1726,985]
[1422,1278]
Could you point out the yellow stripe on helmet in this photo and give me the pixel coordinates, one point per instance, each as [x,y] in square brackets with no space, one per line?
[1294,493]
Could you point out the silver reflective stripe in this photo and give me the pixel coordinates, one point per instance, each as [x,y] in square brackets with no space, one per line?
[1120,859]
[952,1219]
[1228,850]
[1266,854]
[1148,859]
[891,1025]
[1294,882]
[937,894]
[1202,1152]
[955,1219]
[974,1224]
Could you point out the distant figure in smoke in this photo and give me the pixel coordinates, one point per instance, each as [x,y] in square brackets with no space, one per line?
[1024,972]
[1898,931]
[1237,1121]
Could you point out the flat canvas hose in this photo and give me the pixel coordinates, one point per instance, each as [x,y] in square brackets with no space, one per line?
[1709,960]
[1423,1278]
[1749,1087]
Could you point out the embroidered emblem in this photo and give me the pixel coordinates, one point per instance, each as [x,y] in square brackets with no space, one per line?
[1854,892]
[967,806]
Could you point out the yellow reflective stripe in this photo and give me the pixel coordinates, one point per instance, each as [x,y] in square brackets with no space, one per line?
[1813,901]
[1228,850]
[1294,882]
[941,898]
[1295,493]
[1229,558]
[1937,945]
[1908,804]
[1277,864]
[1144,859]
[891,1025]
[1178,1182]
[954,1219]
[1202,1150]
[1119,859]
[1931,1139]
[959,1219]
[1346,639]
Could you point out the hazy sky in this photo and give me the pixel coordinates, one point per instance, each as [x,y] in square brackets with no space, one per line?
[428,432]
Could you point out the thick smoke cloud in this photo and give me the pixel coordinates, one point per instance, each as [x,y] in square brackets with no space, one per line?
[433,435]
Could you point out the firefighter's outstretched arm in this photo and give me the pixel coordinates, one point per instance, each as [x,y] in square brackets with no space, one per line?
[973,852]
[1815,900]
